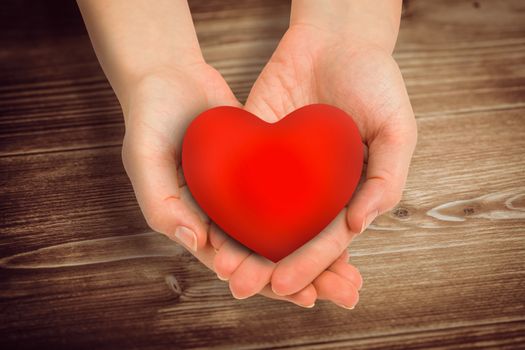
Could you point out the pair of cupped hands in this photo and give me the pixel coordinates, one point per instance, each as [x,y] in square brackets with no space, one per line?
[309,66]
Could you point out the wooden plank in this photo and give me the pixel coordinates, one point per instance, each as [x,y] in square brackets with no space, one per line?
[488,144]
[426,276]
[129,301]
[55,197]
[67,104]
[492,336]
[80,267]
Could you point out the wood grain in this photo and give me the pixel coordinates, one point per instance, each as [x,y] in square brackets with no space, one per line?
[80,268]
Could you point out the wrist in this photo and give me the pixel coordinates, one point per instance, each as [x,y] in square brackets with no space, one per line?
[142,86]
[135,40]
[137,82]
[357,22]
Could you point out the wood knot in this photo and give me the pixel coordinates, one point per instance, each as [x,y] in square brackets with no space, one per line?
[476,4]
[468,211]
[174,285]
[401,213]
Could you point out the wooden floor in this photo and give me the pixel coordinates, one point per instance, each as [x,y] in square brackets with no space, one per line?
[79,267]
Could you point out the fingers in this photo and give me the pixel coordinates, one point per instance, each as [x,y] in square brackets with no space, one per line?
[229,257]
[167,208]
[327,286]
[335,288]
[304,298]
[248,273]
[331,286]
[158,113]
[348,272]
[251,276]
[389,157]
[216,237]
[344,256]
[339,284]
[299,269]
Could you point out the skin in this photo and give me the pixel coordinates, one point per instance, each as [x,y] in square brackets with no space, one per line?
[162,84]
[158,110]
[307,68]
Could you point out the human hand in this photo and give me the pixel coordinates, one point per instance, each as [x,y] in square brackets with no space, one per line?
[315,65]
[159,109]
[162,84]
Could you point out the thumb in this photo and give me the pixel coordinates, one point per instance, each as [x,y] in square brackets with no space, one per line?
[389,157]
[265,101]
[163,198]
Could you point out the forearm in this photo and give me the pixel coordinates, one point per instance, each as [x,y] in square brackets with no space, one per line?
[133,38]
[375,22]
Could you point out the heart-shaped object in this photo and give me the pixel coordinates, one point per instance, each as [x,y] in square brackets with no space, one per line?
[272,186]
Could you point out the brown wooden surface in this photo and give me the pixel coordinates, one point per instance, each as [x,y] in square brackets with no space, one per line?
[80,268]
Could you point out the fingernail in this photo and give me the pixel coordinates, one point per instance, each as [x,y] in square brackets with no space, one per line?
[279,294]
[308,306]
[238,298]
[221,278]
[369,220]
[187,236]
[346,307]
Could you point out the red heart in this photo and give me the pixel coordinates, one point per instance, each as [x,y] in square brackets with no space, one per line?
[272,187]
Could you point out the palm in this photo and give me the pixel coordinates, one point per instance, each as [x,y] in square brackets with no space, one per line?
[306,69]
[159,111]
[163,106]
[312,66]
[298,74]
